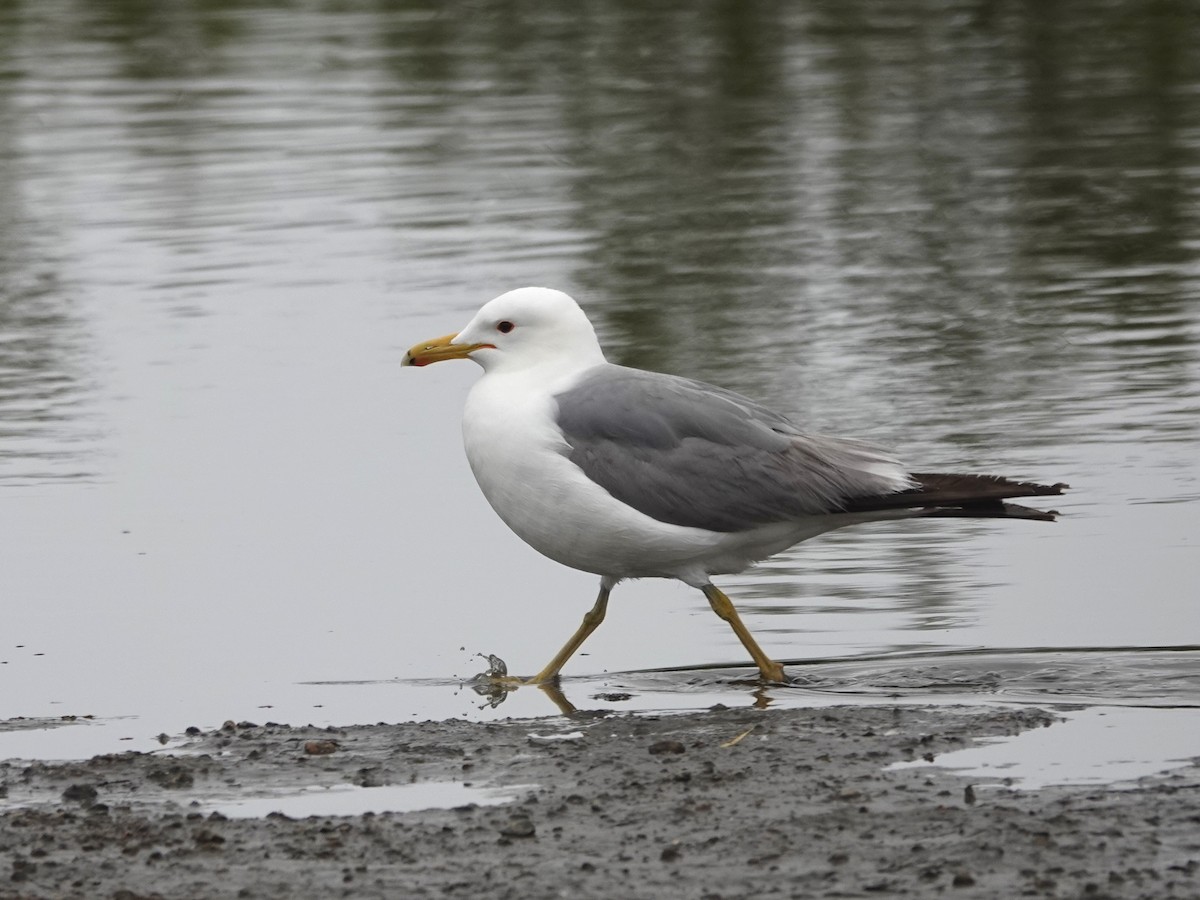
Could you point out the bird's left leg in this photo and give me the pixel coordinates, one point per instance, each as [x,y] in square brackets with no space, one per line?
[723,607]
[591,621]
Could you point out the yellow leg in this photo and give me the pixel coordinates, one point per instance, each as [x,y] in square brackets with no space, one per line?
[723,607]
[591,621]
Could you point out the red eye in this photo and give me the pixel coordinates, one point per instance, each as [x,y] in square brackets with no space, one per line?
[505,327]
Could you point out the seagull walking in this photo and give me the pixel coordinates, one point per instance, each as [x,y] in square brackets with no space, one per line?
[626,473]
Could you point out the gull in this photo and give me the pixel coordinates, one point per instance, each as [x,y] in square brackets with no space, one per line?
[627,473]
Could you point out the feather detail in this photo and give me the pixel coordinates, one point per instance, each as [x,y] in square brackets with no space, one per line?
[972,496]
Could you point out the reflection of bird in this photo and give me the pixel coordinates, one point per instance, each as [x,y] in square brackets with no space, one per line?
[633,474]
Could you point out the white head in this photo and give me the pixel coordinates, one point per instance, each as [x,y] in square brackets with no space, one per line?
[521,329]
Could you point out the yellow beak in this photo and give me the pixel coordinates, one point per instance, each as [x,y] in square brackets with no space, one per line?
[438,350]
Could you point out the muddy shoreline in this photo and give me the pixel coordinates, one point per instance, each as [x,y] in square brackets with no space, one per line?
[718,804]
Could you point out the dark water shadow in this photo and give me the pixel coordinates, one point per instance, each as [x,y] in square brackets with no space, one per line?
[1152,677]
[1128,676]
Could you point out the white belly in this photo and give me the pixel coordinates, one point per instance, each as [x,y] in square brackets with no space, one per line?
[518,457]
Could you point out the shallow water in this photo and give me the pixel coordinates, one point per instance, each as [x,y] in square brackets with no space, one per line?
[351,800]
[963,230]
[1100,746]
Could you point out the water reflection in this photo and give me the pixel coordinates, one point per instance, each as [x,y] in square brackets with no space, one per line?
[43,384]
[964,229]
[43,378]
[681,160]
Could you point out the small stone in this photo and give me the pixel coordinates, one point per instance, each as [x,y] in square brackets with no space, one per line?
[969,795]
[660,747]
[80,793]
[22,869]
[210,839]
[320,748]
[962,879]
[518,827]
[669,854]
[171,777]
[369,778]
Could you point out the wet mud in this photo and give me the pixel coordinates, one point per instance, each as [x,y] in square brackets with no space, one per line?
[720,804]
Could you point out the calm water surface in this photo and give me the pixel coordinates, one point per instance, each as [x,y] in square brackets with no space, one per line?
[970,231]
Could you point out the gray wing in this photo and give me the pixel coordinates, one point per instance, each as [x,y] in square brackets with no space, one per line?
[692,454]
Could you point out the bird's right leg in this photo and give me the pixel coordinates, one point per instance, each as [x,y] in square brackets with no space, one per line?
[591,621]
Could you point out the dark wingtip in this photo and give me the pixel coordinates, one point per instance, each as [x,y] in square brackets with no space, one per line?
[1035,489]
[977,496]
